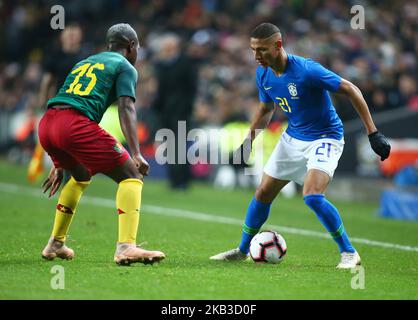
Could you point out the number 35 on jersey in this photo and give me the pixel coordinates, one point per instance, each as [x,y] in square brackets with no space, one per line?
[88,70]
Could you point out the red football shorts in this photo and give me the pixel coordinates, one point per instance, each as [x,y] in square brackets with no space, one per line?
[70,139]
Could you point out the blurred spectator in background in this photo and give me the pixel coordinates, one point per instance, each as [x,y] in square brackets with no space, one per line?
[57,64]
[59,61]
[177,86]
[381,59]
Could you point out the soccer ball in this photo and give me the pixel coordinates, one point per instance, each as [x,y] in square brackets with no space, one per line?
[268,246]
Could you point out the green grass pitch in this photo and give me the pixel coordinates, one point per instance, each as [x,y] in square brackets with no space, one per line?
[192,227]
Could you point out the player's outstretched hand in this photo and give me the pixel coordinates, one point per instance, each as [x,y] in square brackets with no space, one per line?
[380,145]
[141,164]
[53,181]
[241,156]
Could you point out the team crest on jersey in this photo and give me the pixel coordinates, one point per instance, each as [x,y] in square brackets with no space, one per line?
[292,90]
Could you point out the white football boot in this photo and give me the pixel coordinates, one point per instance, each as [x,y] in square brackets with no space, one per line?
[127,253]
[55,249]
[231,255]
[349,260]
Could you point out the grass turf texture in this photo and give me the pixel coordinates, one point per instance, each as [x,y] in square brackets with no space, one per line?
[308,271]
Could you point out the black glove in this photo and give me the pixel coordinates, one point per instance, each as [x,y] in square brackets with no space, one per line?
[240,157]
[380,145]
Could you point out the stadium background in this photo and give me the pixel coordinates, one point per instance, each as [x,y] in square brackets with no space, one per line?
[191,226]
[381,60]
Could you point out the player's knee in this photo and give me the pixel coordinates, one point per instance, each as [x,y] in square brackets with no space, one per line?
[127,171]
[313,188]
[79,173]
[263,194]
[134,174]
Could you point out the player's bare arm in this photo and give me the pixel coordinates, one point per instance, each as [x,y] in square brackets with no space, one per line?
[378,141]
[260,121]
[356,97]
[127,118]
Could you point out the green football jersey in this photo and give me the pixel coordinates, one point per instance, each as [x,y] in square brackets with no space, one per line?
[96,82]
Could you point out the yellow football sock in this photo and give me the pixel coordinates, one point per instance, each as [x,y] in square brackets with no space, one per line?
[67,204]
[128,202]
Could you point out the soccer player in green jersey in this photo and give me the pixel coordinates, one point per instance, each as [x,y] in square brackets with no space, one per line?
[70,134]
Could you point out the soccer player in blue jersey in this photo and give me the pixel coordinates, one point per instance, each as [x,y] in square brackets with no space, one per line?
[309,150]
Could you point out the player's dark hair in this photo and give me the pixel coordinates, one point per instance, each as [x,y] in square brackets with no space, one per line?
[264,30]
[119,35]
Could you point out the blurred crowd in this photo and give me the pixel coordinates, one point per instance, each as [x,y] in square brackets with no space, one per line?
[214,34]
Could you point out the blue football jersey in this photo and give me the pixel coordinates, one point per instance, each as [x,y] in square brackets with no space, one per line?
[302,93]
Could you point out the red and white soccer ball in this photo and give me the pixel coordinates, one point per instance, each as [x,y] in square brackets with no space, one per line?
[268,246]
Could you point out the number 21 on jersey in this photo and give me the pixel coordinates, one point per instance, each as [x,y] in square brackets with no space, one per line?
[284,104]
[75,87]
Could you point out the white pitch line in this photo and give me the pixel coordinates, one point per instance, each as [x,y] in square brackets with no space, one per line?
[200,216]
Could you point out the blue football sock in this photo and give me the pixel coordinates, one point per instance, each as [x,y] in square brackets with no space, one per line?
[330,218]
[257,214]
